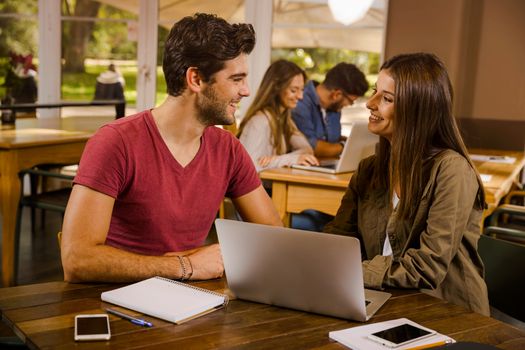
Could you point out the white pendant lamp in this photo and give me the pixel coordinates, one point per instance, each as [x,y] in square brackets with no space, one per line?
[349,11]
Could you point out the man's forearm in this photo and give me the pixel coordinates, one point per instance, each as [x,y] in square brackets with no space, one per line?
[103,263]
[325,149]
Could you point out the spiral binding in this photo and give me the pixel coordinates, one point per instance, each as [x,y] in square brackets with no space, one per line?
[226,298]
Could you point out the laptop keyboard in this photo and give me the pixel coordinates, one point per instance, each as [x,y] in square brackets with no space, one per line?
[324,162]
[327,166]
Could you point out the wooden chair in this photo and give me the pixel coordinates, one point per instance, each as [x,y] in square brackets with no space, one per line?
[59,239]
[38,182]
[54,200]
[226,208]
[231,128]
[515,197]
[508,222]
[504,273]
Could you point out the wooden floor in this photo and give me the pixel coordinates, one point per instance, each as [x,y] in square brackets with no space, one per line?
[39,255]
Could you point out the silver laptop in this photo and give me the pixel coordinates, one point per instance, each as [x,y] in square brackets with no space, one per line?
[303,270]
[360,144]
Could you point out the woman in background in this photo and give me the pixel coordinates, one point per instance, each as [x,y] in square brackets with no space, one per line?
[267,131]
[416,205]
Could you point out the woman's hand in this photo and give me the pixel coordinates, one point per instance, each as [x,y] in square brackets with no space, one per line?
[307,159]
[264,161]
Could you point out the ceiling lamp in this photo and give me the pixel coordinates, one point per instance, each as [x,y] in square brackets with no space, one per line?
[349,11]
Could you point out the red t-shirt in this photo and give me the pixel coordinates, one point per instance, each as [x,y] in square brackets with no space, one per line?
[159,205]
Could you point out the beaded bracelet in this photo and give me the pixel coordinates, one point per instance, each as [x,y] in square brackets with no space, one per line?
[183,267]
[191,267]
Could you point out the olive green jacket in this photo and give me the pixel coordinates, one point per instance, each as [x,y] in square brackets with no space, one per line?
[435,250]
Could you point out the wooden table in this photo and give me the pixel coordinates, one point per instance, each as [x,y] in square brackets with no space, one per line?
[120,105]
[295,190]
[42,315]
[503,176]
[32,142]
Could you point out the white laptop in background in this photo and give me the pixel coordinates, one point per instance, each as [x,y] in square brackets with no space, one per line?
[360,144]
[303,270]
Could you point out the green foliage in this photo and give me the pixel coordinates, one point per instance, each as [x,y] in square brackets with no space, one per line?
[317,61]
[162,36]
[161,86]
[20,34]
[110,39]
[4,66]
[374,63]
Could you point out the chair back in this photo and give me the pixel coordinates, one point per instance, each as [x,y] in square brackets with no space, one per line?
[59,239]
[504,274]
[231,128]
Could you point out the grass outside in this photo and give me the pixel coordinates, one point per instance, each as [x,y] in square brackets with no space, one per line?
[81,86]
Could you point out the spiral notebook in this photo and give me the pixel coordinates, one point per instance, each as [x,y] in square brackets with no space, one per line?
[166,299]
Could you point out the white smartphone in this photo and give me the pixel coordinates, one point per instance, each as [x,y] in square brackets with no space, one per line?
[92,327]
[400,335]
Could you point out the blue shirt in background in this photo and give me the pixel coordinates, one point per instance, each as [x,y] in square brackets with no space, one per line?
[309,118]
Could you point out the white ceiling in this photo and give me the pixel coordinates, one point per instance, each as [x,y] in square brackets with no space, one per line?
[297,23]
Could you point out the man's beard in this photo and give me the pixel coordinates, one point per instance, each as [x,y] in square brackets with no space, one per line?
[210,110]
[335,107]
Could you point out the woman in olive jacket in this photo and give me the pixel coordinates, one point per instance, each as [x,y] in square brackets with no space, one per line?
[416,204]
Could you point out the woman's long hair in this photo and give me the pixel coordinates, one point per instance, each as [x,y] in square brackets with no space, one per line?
[423,124]
[267,100]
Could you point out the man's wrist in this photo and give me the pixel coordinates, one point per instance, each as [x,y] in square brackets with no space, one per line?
[185,267]
[189,267]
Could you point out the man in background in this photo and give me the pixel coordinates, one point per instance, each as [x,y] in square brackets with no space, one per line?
[318,114]
[110,86]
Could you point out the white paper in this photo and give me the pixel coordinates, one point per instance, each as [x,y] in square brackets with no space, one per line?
[356,338]
[166,299]
[492,159]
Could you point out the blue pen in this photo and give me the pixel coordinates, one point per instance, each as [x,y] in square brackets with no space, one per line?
[132,319]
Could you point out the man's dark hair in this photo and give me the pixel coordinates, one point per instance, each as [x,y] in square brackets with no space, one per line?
[346,77]
[203,41]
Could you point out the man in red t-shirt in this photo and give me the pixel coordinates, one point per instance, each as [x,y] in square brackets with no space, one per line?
[149,185]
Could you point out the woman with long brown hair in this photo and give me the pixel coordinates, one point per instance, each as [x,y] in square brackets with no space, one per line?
[416,205]
[267,131]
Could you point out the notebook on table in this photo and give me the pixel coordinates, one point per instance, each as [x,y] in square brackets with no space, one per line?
[303,270]
[360,144]
[166,299]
